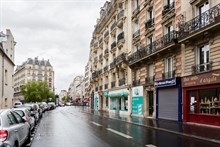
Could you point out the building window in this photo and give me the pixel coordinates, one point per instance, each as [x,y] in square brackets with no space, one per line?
[169,73]
[203,58]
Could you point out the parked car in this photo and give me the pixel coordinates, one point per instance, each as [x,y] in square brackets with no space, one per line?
[33,108]
[26,115]
[17,104]
[52,105]
[14,130]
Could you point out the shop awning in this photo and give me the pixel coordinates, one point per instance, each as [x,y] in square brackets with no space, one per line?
[118,94]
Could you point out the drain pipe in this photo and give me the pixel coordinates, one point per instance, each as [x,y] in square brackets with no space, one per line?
[2,79]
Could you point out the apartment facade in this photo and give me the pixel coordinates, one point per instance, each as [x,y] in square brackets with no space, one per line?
[7,46]
[171,62]
[63,93]
[87,81]
[109,49]
[200,40]
[32,70]
[76,88]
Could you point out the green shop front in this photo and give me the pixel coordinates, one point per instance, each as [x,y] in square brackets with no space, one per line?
[96,101]
[137,101]
[119,101]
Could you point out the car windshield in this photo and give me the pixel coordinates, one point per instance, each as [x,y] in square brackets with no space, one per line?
[20,112]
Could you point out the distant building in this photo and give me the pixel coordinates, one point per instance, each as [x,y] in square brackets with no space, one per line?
[76,88]
[87,81]
[63,93]
[7,45]
[32,70]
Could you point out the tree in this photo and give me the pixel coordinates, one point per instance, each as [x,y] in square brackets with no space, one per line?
[35,91]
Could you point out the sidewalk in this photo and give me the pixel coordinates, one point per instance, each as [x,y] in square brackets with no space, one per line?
[203,132]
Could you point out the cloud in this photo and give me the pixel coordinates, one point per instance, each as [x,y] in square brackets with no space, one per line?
[60,31]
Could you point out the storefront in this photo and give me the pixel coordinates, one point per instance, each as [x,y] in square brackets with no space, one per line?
[119,101]
[137,101]
[201,98]
[169,99]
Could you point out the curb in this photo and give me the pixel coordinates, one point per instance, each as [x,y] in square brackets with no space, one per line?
[161,129]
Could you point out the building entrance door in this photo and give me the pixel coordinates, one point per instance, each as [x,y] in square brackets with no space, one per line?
[150,102]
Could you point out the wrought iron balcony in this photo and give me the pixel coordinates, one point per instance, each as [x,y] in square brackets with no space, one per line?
[120,14]
[149,80]
[113,84]
[201,67]
[99,72]
[149,23]
[167,8]
[154,47]
[209,17]
[100,87]
[106,86]
[121,58]
[113,26]
[168,75]
[113,45]
[106,34]
[136,83]
[106,68]
[136,34]
[106,51]
[120,36]
[121,82]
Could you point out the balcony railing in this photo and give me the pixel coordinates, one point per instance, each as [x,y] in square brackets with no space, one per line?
[136,34]
[149,80]
[149,23]
[121,58]
[167,8]
[113,26]
[136,83]
[106,68]
[99,72]
[106,86]
[113,84]
[168,75]
[120,36]
[94,74]
[210,16]
[113,45]
[154,47]
[121,82]
[120,14]
[201,67]
[106,34]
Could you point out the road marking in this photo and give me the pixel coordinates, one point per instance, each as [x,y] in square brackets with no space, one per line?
[150,145]
[96,123]
[119,133]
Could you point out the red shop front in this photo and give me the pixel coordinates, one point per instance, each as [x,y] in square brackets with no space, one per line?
[201,98]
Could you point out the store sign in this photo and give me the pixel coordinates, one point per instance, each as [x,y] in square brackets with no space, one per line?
[137,100]
[202,79]
[165,83]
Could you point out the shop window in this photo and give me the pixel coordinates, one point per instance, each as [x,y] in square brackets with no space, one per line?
[193,102]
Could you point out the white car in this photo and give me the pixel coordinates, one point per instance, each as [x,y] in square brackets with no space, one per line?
[26,115]
[14,130]
[17,104]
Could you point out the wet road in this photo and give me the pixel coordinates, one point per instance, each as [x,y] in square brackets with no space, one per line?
[69,127]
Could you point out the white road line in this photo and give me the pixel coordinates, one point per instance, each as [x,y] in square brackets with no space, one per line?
[96,123]
[119,133]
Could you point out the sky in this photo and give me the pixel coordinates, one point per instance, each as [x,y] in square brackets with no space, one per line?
[58,30]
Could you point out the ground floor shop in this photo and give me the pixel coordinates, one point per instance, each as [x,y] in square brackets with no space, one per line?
[137,101]
[201,98]
[169,99]
[119,101]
